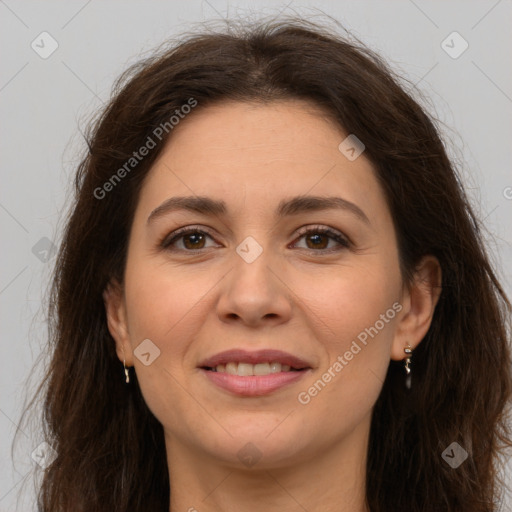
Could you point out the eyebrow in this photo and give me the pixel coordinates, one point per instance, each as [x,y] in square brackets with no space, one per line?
[287,207]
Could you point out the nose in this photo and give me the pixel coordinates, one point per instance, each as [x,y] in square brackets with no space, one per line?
[255,292]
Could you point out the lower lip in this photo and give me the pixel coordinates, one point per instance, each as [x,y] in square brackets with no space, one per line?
[255,385]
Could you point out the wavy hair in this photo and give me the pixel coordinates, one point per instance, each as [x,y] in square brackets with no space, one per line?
[110,453]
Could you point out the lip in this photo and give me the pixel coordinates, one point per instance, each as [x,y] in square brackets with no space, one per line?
[255,385]
[255,357]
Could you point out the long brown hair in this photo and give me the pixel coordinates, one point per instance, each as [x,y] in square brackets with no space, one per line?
[110,452]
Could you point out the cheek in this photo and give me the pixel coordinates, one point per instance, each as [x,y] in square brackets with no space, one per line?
[162,306]
[355,318]
[161,299]
[346,301]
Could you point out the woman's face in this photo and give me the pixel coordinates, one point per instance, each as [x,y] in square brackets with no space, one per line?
[249,279]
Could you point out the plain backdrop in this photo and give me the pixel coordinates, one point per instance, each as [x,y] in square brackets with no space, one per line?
[45,99]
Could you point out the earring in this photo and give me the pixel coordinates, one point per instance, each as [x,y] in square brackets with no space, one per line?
[126,372]
[408,352]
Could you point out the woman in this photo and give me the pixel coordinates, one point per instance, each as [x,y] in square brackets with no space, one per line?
[272,294]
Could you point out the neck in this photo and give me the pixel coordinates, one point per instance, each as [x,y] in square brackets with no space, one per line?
[332,481]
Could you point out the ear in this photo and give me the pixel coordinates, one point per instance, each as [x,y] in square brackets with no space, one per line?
[115,307]
[419,303]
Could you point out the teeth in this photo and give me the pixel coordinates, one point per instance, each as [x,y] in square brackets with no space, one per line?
[231,368]
[262,369]
[247,369]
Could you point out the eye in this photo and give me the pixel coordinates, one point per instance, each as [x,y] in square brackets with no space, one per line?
[318,237]
[193,238]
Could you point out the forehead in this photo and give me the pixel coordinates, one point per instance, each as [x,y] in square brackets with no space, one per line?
[256,132]
[259,153]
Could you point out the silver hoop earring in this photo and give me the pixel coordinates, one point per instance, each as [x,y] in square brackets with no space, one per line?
[408,352]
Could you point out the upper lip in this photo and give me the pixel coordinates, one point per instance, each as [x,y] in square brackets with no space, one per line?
[254,357]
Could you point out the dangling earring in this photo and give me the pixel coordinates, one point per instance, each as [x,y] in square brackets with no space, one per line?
[408,351]
[126,372]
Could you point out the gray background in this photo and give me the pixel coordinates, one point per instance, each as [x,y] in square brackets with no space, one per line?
[44,101]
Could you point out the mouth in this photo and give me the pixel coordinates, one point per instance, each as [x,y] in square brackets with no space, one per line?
[261,362]
[254,373]
[249,370]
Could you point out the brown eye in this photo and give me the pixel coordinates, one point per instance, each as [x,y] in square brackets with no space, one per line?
[191,239]
[318,238]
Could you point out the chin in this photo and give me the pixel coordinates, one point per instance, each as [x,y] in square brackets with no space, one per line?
[264,448]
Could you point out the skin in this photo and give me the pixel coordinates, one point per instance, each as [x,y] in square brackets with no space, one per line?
[296,296]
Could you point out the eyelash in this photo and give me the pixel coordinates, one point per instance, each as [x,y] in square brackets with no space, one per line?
[180,233]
